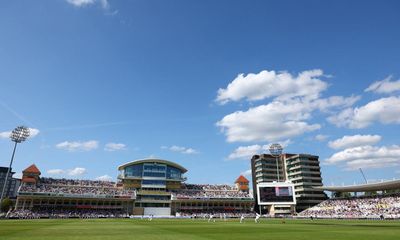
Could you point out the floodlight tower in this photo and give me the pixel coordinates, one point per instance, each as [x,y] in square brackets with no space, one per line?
[276,151]
[18,135]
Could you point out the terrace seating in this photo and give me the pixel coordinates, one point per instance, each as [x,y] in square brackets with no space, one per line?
[217,214]
[76,188]
[81,213]
[207,191]
[357,207]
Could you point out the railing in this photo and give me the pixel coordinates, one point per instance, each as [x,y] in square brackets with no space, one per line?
[148,192]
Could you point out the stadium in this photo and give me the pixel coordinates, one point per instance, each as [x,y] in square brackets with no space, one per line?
[199,120]
[154,193]
[146,187]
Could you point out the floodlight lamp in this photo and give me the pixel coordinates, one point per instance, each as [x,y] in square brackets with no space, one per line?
[275,149]
[19,134]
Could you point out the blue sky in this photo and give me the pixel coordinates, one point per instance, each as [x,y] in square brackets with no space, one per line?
[202,83]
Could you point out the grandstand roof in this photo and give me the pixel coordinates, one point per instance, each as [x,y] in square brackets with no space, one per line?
[152,160]
[241,179]
[32,169]
[386,185]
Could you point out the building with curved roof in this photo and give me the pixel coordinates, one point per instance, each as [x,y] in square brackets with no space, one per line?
[151,160]
[152,178]
[152,174]
[367,187]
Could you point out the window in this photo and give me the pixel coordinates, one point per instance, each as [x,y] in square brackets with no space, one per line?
[153,182]
[154,167]
[173,173]
[154,174]
[134,171]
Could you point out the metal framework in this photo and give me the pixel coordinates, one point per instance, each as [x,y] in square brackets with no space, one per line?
[18,135]
[276,151]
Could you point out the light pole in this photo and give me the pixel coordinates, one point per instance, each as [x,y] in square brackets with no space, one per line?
[18,135]
[276,151]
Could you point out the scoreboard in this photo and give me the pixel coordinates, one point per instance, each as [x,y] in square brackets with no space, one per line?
[276,193]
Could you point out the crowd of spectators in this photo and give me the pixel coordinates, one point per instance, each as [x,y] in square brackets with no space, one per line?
[63,213]
[76,187]
[210,187]
[77,182]
[357,207]
[218,214]
[207,191]
[112,213]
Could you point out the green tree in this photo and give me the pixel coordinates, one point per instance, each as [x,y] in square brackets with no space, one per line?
[6,205]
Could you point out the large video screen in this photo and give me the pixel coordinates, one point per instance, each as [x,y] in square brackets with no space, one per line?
[276,194]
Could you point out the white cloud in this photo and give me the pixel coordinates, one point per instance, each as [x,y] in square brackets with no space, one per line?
[114,147]
[246,173]
[333,102]
[246,152]
[33,132]
[321,137]
[288,115]
[268,84]
[180,149]
[384,110]
[78,171]
[384,86]
[78,146]
[5,135]
[354,141]
[270,122]
[81,3]
[279,119]
[367,157]
[104,178]
[55,171]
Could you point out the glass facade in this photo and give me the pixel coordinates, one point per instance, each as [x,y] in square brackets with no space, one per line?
[134,171]
[153,170]
[153,167]
[173,173]
[153,182]
[153,175]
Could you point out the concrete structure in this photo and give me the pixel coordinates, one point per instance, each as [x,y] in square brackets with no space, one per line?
[12,183]
[302,170]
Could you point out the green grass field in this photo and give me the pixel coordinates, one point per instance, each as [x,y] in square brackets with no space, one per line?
[197,229]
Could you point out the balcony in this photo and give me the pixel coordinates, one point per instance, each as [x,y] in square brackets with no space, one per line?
[305,177]
[153,186]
